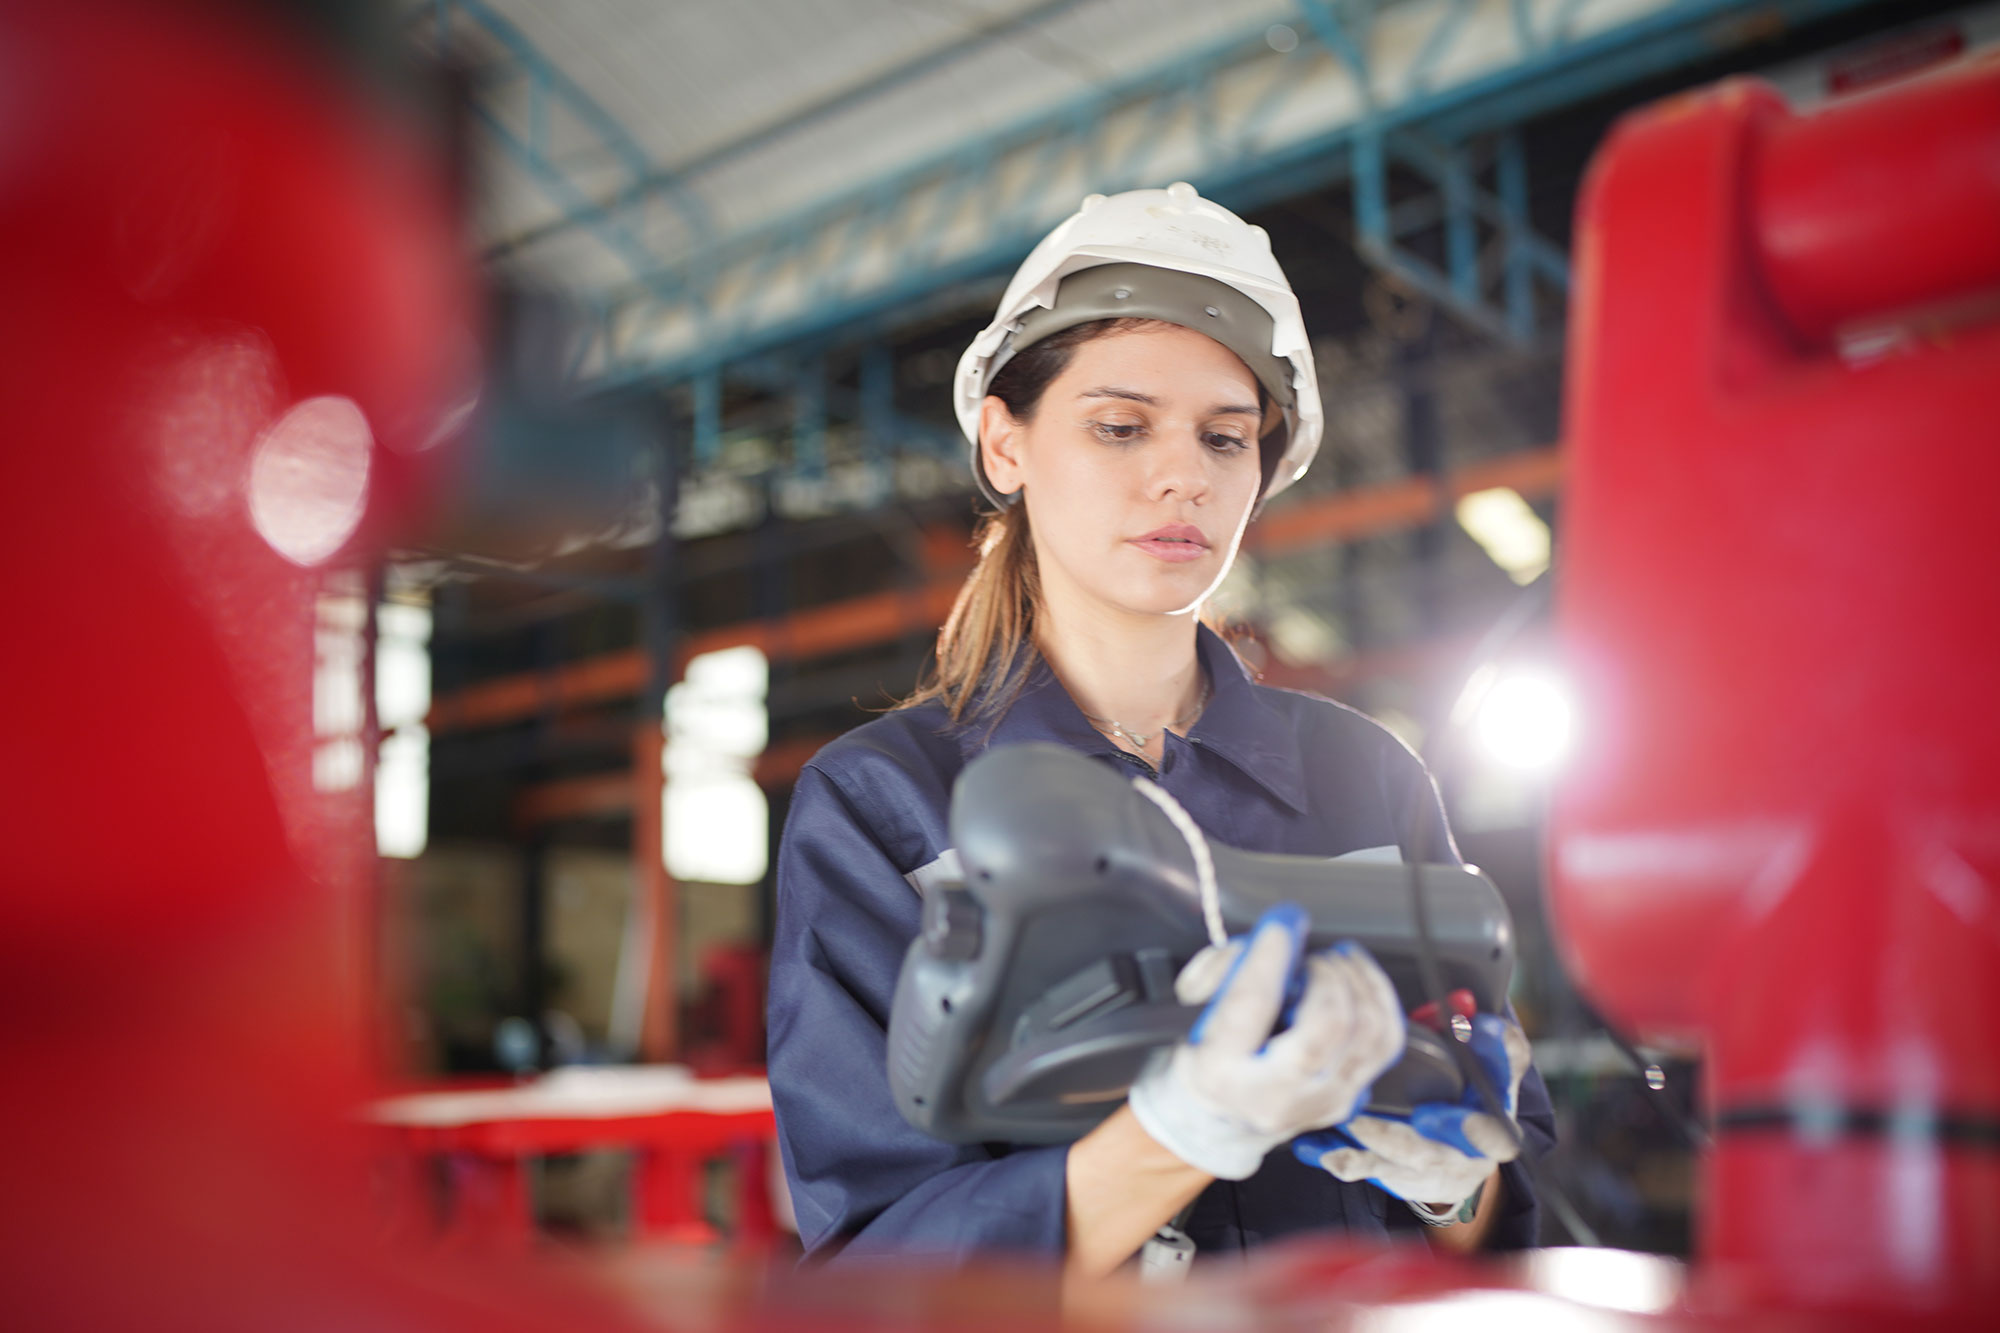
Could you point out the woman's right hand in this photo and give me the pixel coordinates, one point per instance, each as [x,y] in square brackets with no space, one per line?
[1232,1091]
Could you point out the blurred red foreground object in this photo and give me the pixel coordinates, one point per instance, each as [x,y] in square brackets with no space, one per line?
[235,310]
[1782,837]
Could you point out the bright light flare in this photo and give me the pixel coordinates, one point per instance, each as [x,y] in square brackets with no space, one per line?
[1524,721]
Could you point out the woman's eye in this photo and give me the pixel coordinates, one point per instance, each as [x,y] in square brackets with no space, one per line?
[1119,431]
[1223,442]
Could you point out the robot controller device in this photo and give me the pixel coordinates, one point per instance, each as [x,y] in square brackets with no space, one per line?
[1044,978]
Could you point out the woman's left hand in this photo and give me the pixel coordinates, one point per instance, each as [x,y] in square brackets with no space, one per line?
[1442,1151]
[1289,1041]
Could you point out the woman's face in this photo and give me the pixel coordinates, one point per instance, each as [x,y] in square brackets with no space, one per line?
[1140,468]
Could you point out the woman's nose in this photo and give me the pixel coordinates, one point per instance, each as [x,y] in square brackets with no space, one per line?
[1179,466]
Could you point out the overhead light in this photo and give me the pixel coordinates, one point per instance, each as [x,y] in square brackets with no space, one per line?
[1508,529]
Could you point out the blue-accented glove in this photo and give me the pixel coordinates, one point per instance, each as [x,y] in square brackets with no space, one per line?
[1233,1090]
[1442,1151]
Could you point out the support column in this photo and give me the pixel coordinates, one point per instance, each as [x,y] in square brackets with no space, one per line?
[532,990]
[1423,449]
[707,416]
[809,418]
[878,403]
[658,900]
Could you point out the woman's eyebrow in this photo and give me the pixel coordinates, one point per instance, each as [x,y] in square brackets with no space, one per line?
[1129,395]
[1134,396]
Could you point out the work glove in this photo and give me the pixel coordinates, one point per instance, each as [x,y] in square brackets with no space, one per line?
[1232,1091]
[1441,1151]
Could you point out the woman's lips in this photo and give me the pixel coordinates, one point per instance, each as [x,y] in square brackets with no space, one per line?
[1175,544]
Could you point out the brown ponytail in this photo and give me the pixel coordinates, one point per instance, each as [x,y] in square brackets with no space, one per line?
[986,648]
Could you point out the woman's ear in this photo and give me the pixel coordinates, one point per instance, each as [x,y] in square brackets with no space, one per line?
[999,446]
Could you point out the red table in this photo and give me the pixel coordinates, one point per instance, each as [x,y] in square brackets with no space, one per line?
[674,1122]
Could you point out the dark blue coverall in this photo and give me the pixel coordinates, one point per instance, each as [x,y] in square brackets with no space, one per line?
[1263,769]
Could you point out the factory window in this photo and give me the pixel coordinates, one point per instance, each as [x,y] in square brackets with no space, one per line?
[715,817]
[402,699]
[339,643]
[402,670]
[1520,721]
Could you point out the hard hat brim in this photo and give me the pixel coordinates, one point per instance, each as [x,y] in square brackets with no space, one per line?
[1191,300]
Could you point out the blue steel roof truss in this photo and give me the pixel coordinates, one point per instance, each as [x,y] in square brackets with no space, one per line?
[1484,261]
[908,213]
[1334,23]
[1437,180]
[525,135]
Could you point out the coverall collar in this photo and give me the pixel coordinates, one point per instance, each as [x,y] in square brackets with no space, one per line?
[1237,726]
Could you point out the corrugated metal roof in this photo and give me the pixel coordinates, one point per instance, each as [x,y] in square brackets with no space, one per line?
[728,89]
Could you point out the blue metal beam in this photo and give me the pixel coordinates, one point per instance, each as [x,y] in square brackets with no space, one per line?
[911,207]
[678,179]
[780,281]
[1439,243]
[1511,182]
[766,307]
[548,88]
[809,418]
[1335,23]
[855,95]
[707,417]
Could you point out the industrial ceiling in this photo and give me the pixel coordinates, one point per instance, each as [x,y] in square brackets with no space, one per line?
[719,181]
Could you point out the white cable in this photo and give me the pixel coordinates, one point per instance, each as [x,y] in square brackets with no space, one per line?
[1204,864]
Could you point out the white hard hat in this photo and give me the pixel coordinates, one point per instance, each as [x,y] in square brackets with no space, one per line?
[1173,231]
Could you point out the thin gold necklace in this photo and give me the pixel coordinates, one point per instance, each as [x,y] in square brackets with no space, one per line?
[1140,741]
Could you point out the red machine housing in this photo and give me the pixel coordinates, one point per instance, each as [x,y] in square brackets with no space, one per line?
[201,225]
[1780,839]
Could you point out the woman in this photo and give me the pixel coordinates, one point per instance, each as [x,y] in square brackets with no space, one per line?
[1145,384]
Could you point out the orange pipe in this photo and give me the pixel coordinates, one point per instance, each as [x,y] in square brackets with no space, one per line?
[1372,511]
[858,622]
